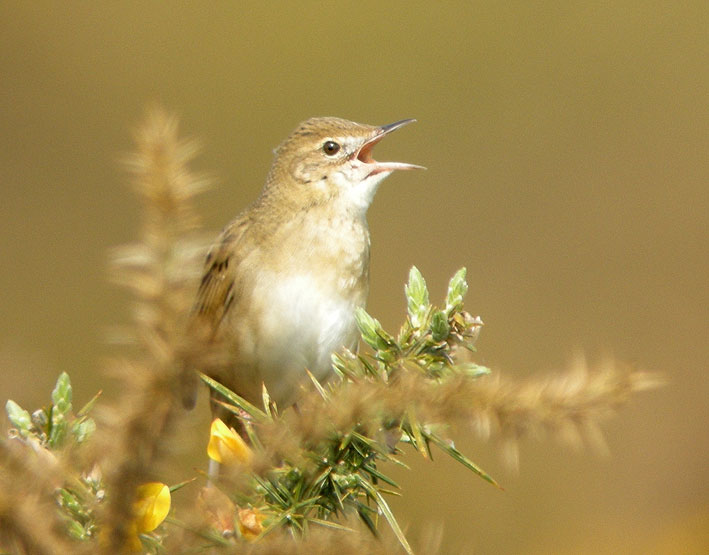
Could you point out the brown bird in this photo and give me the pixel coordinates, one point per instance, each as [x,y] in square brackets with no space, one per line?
[283,280]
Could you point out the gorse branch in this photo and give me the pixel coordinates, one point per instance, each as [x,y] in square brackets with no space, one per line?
[29,519]
[37,464]
[570,406]
[323,462]
[156,270]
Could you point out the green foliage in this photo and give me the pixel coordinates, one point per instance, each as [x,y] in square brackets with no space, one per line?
[77,502]
[457,288]
[49,425]
[60,409]
[428,339]
[416,297]
[372,332]
[56,427]
[19,418]
[340,472]
[326,461]
[333,473]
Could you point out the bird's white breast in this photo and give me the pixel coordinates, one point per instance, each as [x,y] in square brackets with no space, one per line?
[301,304]
[303,321]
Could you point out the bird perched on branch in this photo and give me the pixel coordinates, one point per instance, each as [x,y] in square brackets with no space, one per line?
[282,281]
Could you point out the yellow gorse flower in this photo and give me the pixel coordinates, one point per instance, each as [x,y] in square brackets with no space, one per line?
[226,446]
[151,506]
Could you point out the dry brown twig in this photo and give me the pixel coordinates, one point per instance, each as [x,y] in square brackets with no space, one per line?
[157,271]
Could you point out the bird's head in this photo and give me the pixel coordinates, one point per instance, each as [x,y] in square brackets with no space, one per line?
[330,159]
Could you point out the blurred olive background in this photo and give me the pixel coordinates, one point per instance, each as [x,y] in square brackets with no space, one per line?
[567,152]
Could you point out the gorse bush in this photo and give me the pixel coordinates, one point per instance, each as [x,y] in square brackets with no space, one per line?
[313,478]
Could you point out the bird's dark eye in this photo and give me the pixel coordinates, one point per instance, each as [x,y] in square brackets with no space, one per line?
[330,148]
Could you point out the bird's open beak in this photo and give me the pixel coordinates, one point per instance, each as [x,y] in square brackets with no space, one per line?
[365,152]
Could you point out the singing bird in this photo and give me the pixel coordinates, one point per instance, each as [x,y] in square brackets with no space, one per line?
[283,280]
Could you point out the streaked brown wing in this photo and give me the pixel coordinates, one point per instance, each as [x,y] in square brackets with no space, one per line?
[216,290]
[215,297]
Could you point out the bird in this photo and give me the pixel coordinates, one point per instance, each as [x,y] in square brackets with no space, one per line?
[282,282]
